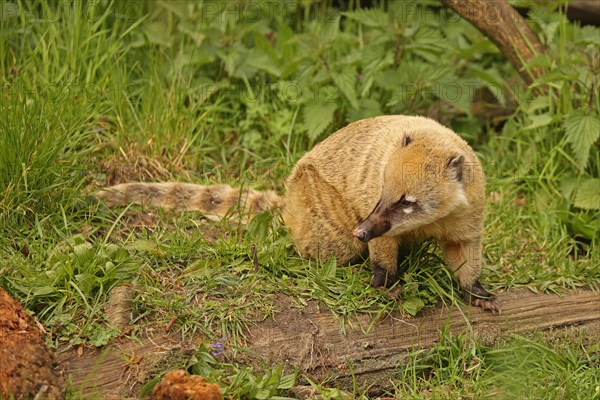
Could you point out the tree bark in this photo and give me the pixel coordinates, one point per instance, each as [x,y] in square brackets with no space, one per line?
[503,25]
[585,11]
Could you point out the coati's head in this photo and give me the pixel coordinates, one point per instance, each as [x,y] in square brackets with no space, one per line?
[422,183]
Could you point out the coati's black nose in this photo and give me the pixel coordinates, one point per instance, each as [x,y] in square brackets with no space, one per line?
[361,234]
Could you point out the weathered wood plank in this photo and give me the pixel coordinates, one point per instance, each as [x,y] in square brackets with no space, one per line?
[123,367]
[312,339]
[522,311]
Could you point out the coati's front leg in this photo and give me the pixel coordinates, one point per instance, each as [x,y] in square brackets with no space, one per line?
[383,253]
[464,258]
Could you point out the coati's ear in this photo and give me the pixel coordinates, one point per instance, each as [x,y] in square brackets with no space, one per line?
[455,166]
[406,140]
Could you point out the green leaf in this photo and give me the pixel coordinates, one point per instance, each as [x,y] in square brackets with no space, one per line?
[492,78]
[287,382]
[429,44]
[148,386]
[317,117]
[367,108]
[263,56]
[588,195]
[374,59]
[263,394]
[582,132]
[556,77]
[328,32]
[191,55]
[411,81]
[589,34]
[567,186]
[538,121]
[158,34]
[345,81]
[412,305]
[42,290]
[86,282]
[192,31]
[371,17]
[181,10]
[281,398]
[148,246]
[580,223]
[100,335]
[262,61]
[83,250]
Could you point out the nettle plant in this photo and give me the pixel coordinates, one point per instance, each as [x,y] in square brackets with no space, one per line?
[311,67]
[555,133]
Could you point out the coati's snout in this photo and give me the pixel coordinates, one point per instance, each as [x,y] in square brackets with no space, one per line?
[369,230]
[372,227]
[361,234]
[387,216]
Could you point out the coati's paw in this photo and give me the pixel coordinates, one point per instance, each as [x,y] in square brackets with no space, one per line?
[382,278]
[487,305]
[479,297]
[394,293]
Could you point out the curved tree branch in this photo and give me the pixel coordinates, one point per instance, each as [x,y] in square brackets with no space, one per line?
[503,25]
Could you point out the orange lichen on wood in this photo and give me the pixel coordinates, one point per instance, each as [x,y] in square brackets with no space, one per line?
[179,385]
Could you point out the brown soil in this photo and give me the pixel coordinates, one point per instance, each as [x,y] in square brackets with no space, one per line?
[29,369]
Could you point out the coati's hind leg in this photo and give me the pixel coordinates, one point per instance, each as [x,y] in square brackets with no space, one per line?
[464,258]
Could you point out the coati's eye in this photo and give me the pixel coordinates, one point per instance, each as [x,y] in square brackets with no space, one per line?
[406,201]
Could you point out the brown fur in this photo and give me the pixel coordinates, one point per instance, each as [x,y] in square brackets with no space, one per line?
[387,181]
[212,200]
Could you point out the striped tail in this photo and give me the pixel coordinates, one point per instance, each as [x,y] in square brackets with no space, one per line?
[212,200]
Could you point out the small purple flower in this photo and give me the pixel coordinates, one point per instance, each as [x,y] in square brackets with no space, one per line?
[218,347]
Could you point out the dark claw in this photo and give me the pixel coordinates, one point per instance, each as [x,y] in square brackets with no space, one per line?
[395,293]
[479,297]
[382,277]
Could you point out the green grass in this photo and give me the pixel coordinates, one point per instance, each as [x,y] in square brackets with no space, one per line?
[518,368]
[157,91]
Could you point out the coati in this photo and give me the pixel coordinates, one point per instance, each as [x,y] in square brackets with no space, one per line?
[369,188]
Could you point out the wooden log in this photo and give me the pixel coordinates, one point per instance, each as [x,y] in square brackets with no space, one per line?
[500,22]
[121,368]
[312,339]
